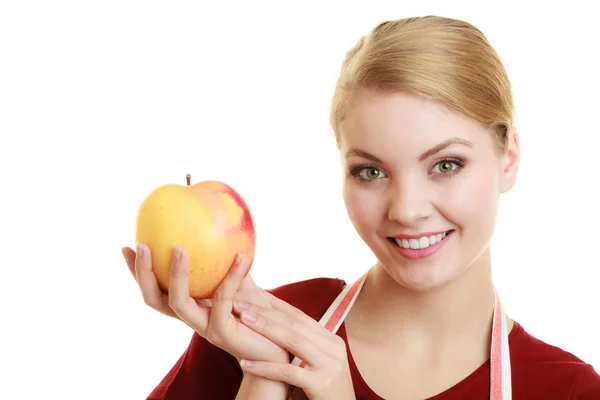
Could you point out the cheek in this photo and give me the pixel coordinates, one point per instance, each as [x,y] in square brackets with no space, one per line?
[473,197]
[363,218]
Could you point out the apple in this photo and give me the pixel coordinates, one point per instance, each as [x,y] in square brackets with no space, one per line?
[210,219]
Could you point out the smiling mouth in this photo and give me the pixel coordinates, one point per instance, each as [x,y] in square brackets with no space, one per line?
[420,243]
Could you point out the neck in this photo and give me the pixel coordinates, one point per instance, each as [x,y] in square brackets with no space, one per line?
[447,319]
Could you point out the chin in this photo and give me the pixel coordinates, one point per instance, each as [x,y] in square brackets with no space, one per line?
[421,278]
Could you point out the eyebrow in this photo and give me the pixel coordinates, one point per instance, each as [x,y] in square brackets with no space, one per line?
[434,150]
[446,143]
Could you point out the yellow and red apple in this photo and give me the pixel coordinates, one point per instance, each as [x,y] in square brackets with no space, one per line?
[210,219]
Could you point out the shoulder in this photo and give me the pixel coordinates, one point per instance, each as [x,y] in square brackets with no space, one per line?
[557,370]
[587,385]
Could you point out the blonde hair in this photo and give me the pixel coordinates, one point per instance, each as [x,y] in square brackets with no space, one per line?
[442,59]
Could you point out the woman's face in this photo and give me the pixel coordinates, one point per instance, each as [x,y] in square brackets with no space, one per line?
[421,185]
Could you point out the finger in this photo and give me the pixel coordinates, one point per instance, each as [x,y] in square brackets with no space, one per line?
[151,293]
[280,372]
[248,284]
[250,292]
[222,304]
[129,256]
[179,299]
[311,349]
[285,307]
[204,302]
[290,322]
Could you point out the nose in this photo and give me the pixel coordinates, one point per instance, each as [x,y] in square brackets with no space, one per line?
[409,203]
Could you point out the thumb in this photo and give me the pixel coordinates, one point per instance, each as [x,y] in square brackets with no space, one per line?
[129,256]
[242,270]
[248,283]
[251,292]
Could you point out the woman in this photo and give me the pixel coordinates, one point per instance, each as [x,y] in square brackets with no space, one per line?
[423,117]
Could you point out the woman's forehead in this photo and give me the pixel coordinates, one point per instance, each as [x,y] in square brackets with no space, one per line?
[390,121]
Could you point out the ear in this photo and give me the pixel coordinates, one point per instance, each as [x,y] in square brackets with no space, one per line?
[510,160]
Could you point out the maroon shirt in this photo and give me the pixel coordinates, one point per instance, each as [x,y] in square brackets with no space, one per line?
[539,370]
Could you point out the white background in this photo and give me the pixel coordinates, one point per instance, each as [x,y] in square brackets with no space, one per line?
[103,101]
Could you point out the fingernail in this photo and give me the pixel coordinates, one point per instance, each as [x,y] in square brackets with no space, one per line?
[246,363]
[140,251]
[240,304]
[177,253]
[248,317]
[238,258]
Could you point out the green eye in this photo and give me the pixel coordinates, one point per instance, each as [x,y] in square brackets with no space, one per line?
[444,167]
[369,173]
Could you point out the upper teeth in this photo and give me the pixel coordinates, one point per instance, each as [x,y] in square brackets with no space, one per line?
[420,243]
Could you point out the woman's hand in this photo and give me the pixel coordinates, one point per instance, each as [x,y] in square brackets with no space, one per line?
[326,374]
[212,319]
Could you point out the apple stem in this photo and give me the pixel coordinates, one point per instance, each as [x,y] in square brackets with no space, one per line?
[188,177]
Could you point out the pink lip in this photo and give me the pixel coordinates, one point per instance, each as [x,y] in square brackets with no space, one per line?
[420,235]
[413,254]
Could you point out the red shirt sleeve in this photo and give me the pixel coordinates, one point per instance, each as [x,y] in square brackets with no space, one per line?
[204,371]
[587,386]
